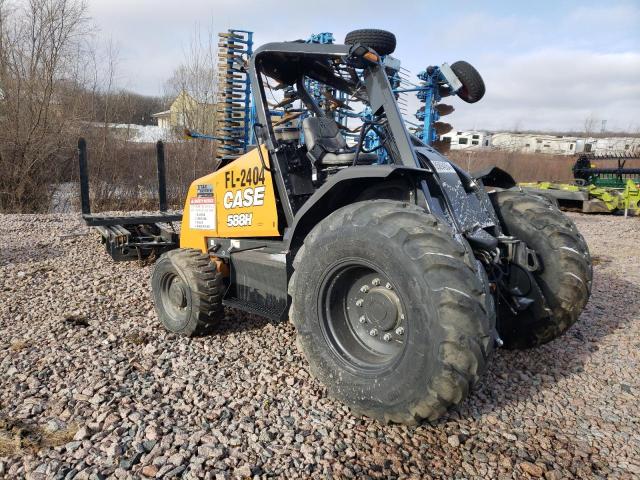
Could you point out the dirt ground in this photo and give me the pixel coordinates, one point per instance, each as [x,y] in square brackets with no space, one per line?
[91,386]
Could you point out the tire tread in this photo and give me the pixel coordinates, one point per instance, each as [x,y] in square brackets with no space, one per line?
[566,287]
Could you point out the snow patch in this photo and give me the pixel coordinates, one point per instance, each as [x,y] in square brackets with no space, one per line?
[142,133]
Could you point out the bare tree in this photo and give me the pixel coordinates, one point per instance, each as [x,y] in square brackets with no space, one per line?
[56,82]
[589,126]
[39,45]
[194,83]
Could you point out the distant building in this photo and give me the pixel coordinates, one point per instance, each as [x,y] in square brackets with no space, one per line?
[532,143]
[626,145]
[472,139]
[564,145]
[163,119]
[542,143]
[186,112]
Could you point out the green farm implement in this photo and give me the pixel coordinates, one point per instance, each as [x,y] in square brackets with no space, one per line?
[596,189]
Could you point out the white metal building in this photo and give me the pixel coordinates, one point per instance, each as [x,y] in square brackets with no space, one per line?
[564,145]
[541,143]
[532,143]
[627,145]
[472,139]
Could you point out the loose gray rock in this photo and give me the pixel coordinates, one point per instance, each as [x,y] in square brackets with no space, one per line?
[109,393]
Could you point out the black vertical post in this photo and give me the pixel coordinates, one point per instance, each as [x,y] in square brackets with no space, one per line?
[84,177]
[162,180]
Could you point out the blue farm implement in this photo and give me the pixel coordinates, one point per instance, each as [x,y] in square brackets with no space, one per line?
[235,116]
[233,122]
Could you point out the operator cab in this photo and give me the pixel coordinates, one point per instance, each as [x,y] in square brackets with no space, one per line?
[322,109]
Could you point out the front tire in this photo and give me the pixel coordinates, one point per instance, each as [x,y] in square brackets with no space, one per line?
[390,311]
[187,292]
[566,271]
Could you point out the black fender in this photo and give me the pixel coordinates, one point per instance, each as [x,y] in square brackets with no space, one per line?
[494,177]
[342,189]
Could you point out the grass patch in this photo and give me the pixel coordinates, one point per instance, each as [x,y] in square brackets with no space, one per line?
[18,344]
[137,338]
[76,320]
[17,436]
[598,260]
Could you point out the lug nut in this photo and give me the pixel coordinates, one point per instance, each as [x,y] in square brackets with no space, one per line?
[376,282]
[364,289]
[400,331]
[362,319]
[359,302]
[387,337]
[373,332]
[388,286]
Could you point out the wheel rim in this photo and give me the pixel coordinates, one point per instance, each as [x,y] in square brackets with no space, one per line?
[175,299]
[362,316]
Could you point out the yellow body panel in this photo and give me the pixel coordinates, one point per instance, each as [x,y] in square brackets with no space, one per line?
[237,201]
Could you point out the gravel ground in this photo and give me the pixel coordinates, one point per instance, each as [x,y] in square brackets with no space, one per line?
[92,386]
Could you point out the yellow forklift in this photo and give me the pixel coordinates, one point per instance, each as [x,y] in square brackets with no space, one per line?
[400,277]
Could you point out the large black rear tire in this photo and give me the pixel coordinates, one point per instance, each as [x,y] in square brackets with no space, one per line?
[383,42]
[565,275]
[187,292]
[391,311]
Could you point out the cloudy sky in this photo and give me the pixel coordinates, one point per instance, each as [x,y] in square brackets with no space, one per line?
[547,64]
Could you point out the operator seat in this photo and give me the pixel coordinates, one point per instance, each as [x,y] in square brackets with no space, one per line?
[327,147]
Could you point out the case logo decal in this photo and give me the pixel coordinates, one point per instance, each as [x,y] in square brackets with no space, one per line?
[248,197]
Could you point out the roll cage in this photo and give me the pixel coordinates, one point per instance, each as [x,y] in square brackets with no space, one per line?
[342,67]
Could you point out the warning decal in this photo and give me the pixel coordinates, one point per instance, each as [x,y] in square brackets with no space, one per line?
[442,167]
[205,190]
[202,213]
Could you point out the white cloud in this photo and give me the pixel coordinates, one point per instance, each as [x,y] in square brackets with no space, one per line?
[547,65]
[556,89]
[606,16]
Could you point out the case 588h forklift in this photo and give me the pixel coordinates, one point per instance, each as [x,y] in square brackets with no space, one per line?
[401,278]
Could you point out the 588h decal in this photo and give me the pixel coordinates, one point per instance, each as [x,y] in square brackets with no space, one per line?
[239,219]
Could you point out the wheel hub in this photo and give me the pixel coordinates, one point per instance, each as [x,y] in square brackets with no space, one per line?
[382,308]
[177,293]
